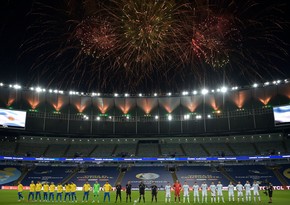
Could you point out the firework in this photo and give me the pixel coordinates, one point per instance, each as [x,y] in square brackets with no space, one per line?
[145,28]
[97,36]
[129,43]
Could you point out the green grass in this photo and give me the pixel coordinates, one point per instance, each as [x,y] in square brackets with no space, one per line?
[10,198]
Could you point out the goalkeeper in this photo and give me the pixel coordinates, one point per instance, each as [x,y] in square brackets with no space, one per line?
[96,189]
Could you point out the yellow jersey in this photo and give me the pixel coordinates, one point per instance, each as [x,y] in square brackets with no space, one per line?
[38,187]
[32,187]
[73,187]
[67,188]
[107,187]
[45,188]
[59,188]
[52,188]
[86,187]
[20,187]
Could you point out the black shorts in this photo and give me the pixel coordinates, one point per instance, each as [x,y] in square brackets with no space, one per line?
[270,193]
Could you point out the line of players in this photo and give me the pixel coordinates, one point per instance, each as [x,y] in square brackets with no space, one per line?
[216,192]
[49,192]
[69,190]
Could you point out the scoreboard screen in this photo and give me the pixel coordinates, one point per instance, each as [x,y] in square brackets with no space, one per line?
[282,115]
[12,119]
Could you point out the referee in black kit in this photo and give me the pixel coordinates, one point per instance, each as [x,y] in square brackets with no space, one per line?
[270,192]
[142,191]
[128,191]
[154,190]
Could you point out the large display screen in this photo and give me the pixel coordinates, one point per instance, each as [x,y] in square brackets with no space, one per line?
[282,115]
[12,119]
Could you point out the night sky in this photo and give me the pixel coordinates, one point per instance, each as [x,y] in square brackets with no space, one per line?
[15,21]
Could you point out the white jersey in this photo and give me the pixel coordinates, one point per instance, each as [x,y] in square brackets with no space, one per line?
[247,187]
[212,189]
[185,188]
[231,188]
[167,189]
[219,188]
[256,189]
[204,187]
[239,187]
[195,188]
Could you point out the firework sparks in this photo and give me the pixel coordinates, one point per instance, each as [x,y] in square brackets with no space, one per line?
[97,36]
[125,43]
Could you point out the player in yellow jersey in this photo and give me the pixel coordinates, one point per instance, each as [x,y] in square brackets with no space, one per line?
[31,191]
[73,187]
[86,189]
[51,192]
[38,188]
[20,190]
[67,191]
[59,191]
[45,191]
[107,188]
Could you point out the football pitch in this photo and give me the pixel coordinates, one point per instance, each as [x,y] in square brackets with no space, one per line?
[11,198]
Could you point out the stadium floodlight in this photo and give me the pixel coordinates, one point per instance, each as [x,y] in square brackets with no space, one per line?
[31,88]
[194,92]
[224,89]
[38,89]
[278,82]
[255,85]
[98,118]
[50,90]
[60,91]
[16,86]
[186,117]
[212,91]
[286,81]
[116,94]
[234,88]
[126,95]
[140,94]
[204,91]
[266,83]
[55,91]
[156,117]
[169,117]
[198,117]
[155,94]
[71,92]
[127,117]
[185,93]
[208,116]
[86,117]
[1,84]
[169,94]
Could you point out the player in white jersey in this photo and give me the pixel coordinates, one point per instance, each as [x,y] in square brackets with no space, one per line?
[167,192]
[247,187]
[240,188]
[212,188]
[219,188]
[195,188]
[256,191]
[204,192]
[185,188]
[231,188]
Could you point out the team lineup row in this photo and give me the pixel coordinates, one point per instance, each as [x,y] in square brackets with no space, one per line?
[216,191]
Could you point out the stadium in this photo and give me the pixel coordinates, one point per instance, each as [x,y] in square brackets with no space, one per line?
[58,138]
